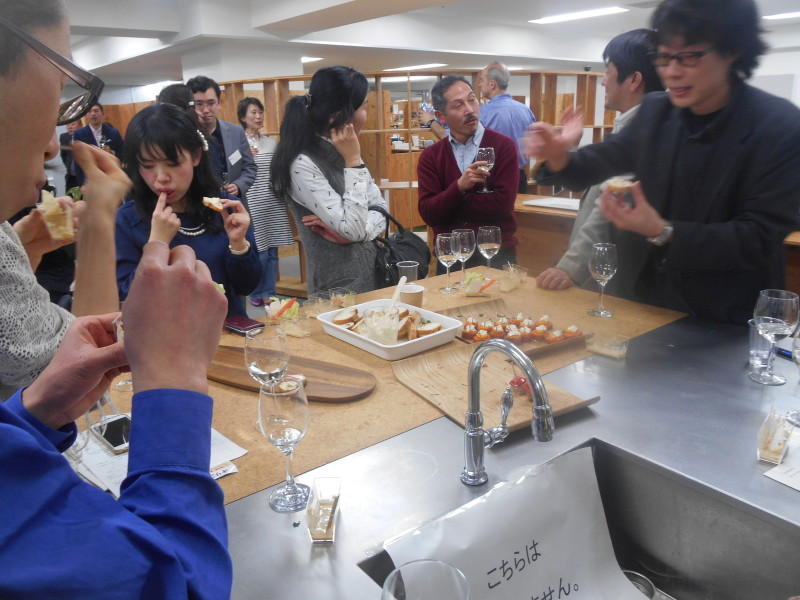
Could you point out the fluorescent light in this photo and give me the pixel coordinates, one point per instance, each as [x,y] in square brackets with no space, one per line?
[409,78]
[308,59]
[583,14]
[789,15]
[418,67]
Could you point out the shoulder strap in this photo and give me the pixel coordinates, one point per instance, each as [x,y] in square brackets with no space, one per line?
[389,217]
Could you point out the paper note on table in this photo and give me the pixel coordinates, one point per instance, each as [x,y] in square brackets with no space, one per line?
[788,472]
[542,535]
[553,202]
[107,470]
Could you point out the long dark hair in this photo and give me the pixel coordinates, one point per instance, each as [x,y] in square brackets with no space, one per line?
[333,97]
[165,131]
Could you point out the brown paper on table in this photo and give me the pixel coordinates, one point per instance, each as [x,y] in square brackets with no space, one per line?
[337,430]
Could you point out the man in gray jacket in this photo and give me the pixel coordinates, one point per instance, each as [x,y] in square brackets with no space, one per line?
[629,76]
[230,153]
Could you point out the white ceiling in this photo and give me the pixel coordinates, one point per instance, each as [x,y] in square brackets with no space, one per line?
[138,42]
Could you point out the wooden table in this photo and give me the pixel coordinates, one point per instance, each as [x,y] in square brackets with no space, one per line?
[337,430]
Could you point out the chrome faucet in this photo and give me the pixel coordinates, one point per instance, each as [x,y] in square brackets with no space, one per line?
[475,437]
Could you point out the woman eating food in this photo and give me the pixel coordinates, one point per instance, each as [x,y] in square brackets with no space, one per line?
[166,158]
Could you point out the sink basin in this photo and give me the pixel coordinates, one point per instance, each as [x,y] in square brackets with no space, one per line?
[691,541]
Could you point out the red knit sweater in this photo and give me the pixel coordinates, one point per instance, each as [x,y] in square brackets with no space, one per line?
[444,208]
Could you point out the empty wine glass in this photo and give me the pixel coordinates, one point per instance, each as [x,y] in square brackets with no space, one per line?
[602,266]
[266,355]
[486,154]
[125,384]
[775,316]
[283,418]
[426,579]
[465,248]
[445,252]
[489,239]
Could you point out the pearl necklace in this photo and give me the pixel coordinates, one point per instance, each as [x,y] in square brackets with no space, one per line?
[193,231]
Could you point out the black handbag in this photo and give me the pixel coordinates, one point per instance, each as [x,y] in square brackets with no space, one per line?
[401,245]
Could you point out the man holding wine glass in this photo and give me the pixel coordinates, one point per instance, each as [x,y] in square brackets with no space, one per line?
[458,187]
[718,166]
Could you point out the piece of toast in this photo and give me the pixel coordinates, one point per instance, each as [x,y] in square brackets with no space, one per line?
[213,203]
[57,218]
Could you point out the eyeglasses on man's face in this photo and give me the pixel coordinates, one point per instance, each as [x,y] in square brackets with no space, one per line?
[685,59]
[78,106]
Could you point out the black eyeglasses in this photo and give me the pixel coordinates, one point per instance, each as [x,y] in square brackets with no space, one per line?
[79,105]
[685,59]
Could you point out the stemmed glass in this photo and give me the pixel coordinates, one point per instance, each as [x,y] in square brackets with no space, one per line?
[775,316]
[602,266]
[126,384]
[283,420]
[486,154]
[446,253]
[489,242]
[465,248]
[793,416]
[266,355]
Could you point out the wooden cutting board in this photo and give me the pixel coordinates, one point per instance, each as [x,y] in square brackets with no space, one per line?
[492,309]
[325,382]
[441,378]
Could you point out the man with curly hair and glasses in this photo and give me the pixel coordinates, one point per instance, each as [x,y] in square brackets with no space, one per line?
[717,163]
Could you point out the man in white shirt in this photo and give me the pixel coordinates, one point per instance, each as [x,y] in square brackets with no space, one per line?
[629,76]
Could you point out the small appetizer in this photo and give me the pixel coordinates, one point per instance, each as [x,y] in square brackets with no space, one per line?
[554,336]
[572,332]
[526,333]
[498,332]
[514,336]
[482,336]
[545,320]
[517,320]
[527,323]
[469,331]
[539,332]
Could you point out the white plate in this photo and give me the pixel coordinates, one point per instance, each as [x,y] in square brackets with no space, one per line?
[449,330]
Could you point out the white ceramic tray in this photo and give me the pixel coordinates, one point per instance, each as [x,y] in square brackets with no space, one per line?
[449,330]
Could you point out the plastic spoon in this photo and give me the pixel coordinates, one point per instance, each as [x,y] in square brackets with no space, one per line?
[395,296]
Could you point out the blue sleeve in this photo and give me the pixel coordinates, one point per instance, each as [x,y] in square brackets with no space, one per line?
[165,538]
[60,439]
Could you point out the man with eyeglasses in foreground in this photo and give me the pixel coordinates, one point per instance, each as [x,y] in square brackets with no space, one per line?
[717,163]
[166,536]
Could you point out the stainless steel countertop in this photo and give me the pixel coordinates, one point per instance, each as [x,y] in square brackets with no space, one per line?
[681,399]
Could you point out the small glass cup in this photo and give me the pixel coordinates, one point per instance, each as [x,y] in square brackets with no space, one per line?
[341,298]
[409,268]
[412,294]
[426,579]
[381,327]
[759,348]
[316,304]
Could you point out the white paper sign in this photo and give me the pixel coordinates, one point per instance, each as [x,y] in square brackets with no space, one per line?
[788,472]
[235,157]
[541,537]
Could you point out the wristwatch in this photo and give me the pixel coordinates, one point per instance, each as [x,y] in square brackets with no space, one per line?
[663,237]
[428,124]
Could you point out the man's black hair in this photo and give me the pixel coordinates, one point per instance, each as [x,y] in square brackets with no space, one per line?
[629,53]
[732,27]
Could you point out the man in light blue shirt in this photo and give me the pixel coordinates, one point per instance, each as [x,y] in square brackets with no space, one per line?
[504,114]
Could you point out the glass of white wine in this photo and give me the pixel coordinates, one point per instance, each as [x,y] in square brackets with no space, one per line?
[266,355]
[485,154]
[489,239]
[465,248]
[283,418]
[446,253]
[602,266]
[776,315]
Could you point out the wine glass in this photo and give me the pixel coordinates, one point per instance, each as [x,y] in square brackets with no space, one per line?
[793,416]
[283,420]
[126,384]
[486,154]
[425,579]
[445,252]
[266,355]
[775,316]
[489,242]
[602,266]
[465,248]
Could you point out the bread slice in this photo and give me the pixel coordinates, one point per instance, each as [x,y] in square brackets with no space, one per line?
[617,185]
[346,315]
[428,328]
[213,204]
[57,219]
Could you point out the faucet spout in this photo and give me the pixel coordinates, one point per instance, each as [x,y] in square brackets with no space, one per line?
[475,438]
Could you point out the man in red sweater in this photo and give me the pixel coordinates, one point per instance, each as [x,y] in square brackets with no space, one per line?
[450,178]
